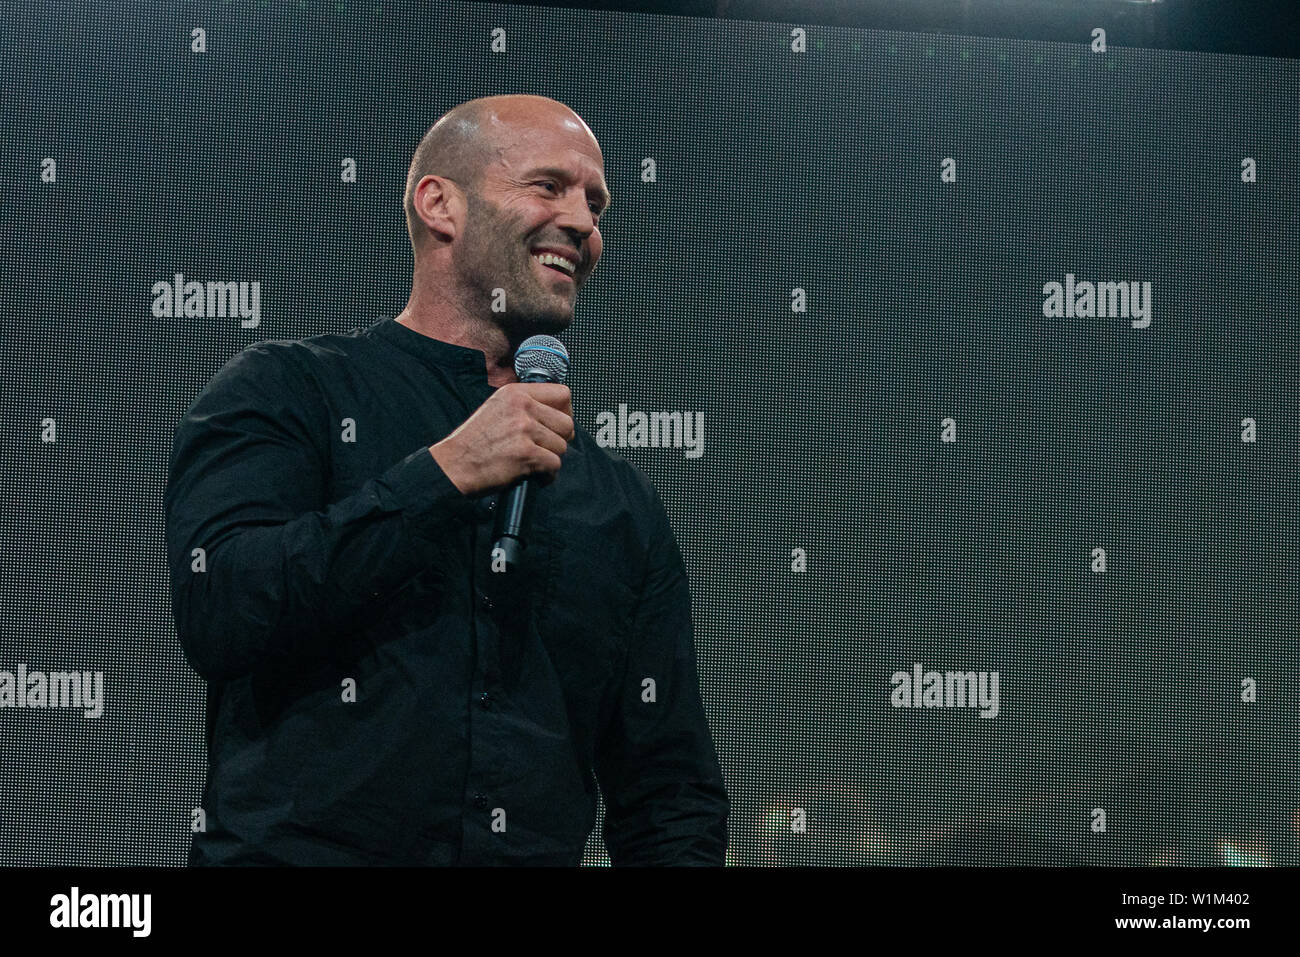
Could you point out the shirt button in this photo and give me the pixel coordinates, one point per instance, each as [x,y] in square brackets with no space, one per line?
[487,602]
[485,700]
[480,800]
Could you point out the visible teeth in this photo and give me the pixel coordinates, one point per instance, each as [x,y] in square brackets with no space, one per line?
[550,259]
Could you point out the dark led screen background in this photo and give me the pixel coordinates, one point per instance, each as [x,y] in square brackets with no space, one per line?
[834,248]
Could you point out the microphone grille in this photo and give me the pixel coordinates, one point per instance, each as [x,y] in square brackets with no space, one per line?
[543,356]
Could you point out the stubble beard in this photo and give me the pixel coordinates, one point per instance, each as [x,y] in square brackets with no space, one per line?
[495,255]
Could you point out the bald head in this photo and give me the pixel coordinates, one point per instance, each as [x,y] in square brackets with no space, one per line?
[504,200]
[469,138]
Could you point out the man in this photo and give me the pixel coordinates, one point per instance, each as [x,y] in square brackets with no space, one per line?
[377,693]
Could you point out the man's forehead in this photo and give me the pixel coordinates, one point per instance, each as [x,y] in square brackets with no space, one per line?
[523,117]
[521,141]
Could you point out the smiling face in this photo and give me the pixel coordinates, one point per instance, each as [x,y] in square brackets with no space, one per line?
[543,189]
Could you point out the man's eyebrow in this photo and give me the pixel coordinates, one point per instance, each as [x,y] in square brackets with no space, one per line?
[568,177]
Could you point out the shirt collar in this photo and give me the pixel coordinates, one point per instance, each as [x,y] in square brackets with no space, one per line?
[445,354]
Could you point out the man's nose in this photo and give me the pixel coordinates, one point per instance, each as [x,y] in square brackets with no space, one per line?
[576,215]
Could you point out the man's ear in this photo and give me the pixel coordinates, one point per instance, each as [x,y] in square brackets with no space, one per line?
[440,205]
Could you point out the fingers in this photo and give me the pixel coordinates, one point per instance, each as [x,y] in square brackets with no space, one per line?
[557,420]
[552,394]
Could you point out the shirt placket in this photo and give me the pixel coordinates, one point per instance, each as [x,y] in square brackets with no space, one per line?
[484,803]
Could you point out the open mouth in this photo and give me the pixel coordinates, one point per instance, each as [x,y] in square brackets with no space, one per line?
[549,263]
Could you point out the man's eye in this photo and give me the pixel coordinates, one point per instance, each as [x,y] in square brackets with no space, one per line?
[595,208]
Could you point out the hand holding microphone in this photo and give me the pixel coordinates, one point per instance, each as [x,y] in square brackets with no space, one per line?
[521,430]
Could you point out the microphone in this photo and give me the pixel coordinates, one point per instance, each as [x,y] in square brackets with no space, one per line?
[538,359]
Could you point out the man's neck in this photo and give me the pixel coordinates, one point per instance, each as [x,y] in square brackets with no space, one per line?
[489,340]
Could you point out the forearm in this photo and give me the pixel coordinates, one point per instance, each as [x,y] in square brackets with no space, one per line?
[252,593]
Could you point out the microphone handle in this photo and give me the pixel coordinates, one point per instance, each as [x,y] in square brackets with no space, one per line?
[512,506]
[509,532]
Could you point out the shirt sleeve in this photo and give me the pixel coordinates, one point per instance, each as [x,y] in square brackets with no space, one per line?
[665,799]
[280,572]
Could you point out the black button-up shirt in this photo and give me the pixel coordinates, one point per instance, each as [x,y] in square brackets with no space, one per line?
[377,694]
